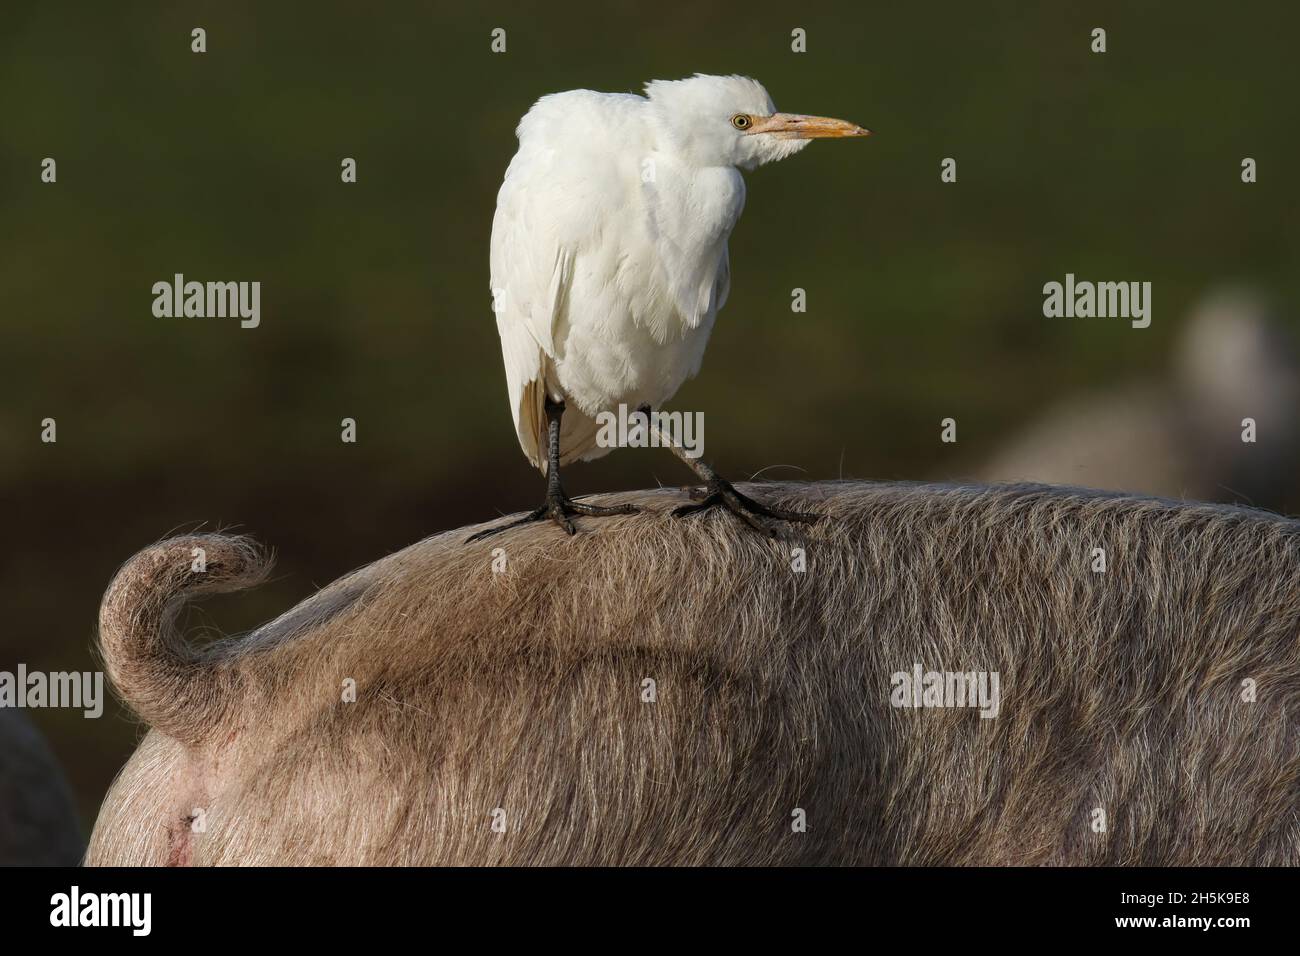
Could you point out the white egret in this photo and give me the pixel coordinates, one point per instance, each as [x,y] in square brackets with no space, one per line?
[609,261]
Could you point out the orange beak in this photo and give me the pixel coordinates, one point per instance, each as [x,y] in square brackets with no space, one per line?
[796,126]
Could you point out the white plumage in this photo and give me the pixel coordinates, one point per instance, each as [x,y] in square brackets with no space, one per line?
[609,245]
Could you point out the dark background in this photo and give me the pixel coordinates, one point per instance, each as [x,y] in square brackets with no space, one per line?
[924,298]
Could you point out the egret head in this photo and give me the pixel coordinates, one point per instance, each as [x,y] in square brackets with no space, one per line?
[731,121]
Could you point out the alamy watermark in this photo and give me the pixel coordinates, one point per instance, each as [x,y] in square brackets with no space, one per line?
[1085,300]
[624,429]
[210,300]
[919,688]
[132,911]
[77,690]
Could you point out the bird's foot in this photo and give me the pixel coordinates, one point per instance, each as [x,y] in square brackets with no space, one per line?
[719,493]
[561,509]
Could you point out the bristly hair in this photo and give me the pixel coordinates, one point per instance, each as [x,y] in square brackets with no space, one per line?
[677,691]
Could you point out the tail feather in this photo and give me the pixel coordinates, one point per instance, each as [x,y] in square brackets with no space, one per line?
[578,430]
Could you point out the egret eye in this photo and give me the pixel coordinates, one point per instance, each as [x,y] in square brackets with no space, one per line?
[741,121]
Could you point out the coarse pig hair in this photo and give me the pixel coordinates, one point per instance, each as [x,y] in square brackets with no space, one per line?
[662,691]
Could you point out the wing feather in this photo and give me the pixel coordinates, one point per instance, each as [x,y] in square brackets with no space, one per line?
[549,212]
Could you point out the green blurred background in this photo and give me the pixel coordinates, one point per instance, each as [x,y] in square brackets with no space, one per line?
[924,298]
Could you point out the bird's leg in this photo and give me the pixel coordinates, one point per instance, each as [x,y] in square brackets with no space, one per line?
[558,506]
[720,493]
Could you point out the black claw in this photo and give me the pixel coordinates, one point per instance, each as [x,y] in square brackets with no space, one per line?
[720,493]
[602,511]
[535,515]
[558,508]
[556,514]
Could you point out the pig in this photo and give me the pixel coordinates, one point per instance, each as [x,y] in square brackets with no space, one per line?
[38,819]
[661,691]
